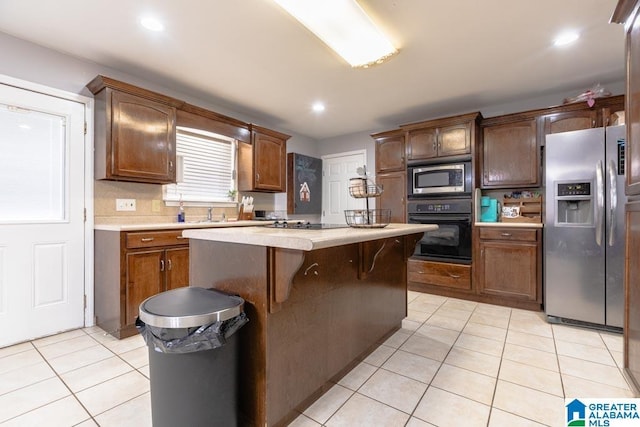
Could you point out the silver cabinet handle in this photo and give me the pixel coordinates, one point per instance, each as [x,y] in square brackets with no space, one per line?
[454,276]
[506,234]
[180,237]
[169,264]
[147,239]
[257,177]
[161,265]
[315,264]
[170,165]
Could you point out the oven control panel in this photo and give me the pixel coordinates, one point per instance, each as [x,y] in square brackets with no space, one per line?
[440,206]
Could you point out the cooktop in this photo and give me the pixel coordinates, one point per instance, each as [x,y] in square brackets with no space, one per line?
[304,225]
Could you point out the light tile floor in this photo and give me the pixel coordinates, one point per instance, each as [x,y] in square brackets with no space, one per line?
[453,363]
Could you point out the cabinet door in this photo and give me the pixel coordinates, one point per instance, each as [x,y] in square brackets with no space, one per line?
[454,140]
[570,121]
[633,107]
[177,268]
[390,154]
[509,270]
[143,135]
[269,162]
[394,186]
[632,292]
[510,156]
[144,278]
[422,144]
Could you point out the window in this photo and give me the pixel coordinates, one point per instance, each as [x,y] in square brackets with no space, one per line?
[206,167]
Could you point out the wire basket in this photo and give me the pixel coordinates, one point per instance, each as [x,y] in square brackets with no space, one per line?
[368,218]
[361,187]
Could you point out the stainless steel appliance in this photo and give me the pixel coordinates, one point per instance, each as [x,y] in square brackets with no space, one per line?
[444,179]
[451,242]
[584,226]
[304,225]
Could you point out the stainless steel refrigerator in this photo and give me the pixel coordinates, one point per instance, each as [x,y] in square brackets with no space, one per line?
[584,226]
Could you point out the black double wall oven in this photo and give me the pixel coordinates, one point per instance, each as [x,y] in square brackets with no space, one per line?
[441,194]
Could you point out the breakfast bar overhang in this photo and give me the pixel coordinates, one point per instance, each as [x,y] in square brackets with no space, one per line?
[318,302]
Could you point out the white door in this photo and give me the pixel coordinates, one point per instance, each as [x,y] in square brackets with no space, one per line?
[41,214]
[337,170]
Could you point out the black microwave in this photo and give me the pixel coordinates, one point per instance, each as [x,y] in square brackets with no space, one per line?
[445,179]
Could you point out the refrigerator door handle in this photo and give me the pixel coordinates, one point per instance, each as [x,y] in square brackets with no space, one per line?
[599,202]
[613,202]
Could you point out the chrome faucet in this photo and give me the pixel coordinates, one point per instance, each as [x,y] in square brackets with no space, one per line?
[209,214]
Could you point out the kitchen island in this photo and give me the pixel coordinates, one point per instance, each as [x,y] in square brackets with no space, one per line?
[318,302]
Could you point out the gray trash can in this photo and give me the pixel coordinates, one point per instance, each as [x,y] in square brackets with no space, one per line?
[193,356]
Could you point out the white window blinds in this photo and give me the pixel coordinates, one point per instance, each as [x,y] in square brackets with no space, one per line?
[208,165]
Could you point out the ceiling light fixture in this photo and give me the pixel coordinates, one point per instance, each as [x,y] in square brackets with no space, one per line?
[152,24]
[318,107]
[344,27]
[566,38]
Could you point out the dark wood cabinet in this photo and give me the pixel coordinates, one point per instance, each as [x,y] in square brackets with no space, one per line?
[135,133]
[577,116]
[425,275]
[628,12]
[131,267]
[394,185]
[508,263]
[510,156]
[262,163]
[446,137]
[144,279]
[390,151]
[570,121]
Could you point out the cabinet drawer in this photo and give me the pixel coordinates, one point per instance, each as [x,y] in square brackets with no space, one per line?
[152,239]
[510,234]
[439,273]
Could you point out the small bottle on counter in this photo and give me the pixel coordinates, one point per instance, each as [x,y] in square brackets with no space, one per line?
[181,211]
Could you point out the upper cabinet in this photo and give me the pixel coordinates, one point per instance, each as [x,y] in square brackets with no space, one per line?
[578,116]
[390,151]
[510,155]
[452,136]
[262,162]
[135,133]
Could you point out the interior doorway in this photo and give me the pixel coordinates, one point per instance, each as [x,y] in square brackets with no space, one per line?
[337,170]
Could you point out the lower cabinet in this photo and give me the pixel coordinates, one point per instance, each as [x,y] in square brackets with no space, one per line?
[439,274]
[508,264]
[132,266]
[506,269]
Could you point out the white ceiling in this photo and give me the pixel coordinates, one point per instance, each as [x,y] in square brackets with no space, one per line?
[250,56]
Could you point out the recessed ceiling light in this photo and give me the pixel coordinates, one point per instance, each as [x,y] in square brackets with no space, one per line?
[152,24]
[566,38]
[318,107]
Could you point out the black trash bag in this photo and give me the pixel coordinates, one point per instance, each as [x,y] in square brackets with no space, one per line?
[190,340]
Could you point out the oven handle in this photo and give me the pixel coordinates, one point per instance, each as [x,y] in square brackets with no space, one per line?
[427,219]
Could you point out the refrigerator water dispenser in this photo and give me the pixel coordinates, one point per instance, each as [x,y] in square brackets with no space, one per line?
[574,204]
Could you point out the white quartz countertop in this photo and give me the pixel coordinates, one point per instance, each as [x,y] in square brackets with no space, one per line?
[177,225]
[509,224]
[305,240]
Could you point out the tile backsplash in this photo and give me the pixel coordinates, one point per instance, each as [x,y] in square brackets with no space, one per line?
[150,208]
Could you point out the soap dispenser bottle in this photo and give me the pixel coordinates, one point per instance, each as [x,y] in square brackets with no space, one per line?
[181,211]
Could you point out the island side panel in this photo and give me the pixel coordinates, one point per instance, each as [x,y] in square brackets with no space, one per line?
[343,302]
[241,270]
[334,317]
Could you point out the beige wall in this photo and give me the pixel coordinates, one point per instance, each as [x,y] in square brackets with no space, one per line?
[106,193]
